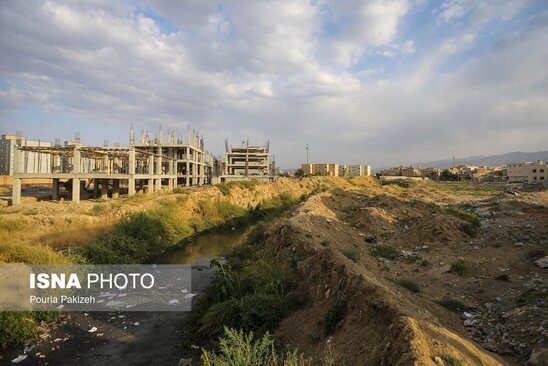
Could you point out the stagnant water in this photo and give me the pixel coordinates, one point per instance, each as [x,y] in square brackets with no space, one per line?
[199,251]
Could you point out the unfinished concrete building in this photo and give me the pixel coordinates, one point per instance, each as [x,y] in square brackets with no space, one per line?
[248,162]
[194,166]
[76,168]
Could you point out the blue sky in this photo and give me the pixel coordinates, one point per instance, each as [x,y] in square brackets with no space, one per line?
[386,82]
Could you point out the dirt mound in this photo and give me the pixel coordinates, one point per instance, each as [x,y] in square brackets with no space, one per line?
[438,229]
[373,220]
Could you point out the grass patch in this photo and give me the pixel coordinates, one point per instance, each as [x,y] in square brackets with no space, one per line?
[385,251]
[334,316]
[462,267]
[409,285]
[30,254]
[349,210]
[324,243]
[17,328]
[452,304]
[452,360]
[181,190]
[11,225]
[350,254]
[99,209]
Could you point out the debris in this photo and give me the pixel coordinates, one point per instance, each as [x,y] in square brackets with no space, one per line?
[518,244]
[136,324]
[19,359]
[439,361]
[185,362]
[542,262]
[92,330]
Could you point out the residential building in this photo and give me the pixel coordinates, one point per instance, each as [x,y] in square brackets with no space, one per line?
[517,172]
[321,169]
[356,170]
[537,173]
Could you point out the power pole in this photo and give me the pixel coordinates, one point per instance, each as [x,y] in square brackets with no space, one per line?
[306,154]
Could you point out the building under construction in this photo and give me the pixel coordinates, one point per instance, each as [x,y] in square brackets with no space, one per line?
[194,166]
[248,162]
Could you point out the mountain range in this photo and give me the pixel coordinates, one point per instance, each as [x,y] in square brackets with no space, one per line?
[490,160]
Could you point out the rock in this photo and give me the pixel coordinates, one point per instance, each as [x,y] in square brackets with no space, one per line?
[370,239]
[539,357]
[439,361]
[542,262]
[518,244]
[185,362]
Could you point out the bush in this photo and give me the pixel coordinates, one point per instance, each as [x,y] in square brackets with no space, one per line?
[350,254]
[17,328]
[334,316]
[452,360]
[224,188]
[462,267]
[385,251]
[324,243]
[11,225]
[99,209]
[410,285]
[237,348]
[452,304]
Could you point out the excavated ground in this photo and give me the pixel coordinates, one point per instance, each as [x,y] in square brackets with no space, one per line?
[385,323]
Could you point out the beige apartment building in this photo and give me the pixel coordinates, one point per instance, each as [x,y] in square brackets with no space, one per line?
[537,173]
[356,170]
[517,172]
[321,169]
[33,162]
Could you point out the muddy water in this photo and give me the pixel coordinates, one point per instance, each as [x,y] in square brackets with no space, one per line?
[199,250]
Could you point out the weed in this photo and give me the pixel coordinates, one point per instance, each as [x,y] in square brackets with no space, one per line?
[462,267]
[99,209]
[350,209]
[324,243]
[410,285]
[350,254]
[224,188]
[181,190]
[452,360]
[385,251]
[452,304]
[334,316]
[313,337]
[11,225]
[31,212]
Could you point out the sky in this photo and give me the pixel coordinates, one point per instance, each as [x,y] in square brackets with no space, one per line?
[361,81]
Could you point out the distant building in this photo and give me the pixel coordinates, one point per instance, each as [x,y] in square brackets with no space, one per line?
[321,169]
[537,173]
[517,172]
[356,170]
[248,162]
[33,162]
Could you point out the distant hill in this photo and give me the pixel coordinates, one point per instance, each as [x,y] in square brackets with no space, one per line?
[491,160]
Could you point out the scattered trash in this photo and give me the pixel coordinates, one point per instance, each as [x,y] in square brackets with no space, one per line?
[542,262]
[19,359]
[136,324]
[467,315]
[92,330]
[173,302]
[57,340]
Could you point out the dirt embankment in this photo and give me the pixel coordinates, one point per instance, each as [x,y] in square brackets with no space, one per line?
[390,313]
[64,224]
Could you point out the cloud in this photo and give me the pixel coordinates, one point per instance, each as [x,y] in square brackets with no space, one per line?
[352,75]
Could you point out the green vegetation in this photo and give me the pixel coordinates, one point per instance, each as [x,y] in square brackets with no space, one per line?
[467,189]
[243,184]
[11,225]
[11,252]
[452,360]
[19,327]
[472,223]
[324,243]
[462,267]
[349,210]
[99,209]
[385,251]
[350,254]
[334,316]
[237,348]
[182,190]
[410,285]
[404,183]
[452,304]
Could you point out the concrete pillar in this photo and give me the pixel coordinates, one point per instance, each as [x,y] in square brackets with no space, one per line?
[151,165]
[187,183]
[158,184]
[16,194]
[76,162]
[115,188]
[132,161]
[131,187]
[150,187]
[104,188]
[76,190]
[55,189]
[105,164]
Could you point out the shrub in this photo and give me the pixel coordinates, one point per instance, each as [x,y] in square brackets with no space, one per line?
[11,225]
[324,243]
[462,267]
[334,316]
[452,360]
[385,251]
[452,304]
[468,229]
[243,349]
[224,188]
[99,209]
[350,254]
[410,285]
[17,328]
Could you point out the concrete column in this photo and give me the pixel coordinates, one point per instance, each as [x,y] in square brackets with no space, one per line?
[170,184]
[187,183]
[132,161]
[105,164]
[104,188]
[151,165]
[158,184]
[16,194]
[150,187]
[131,187]
[76,190]
[55,189]
[115,188]
[76,161]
